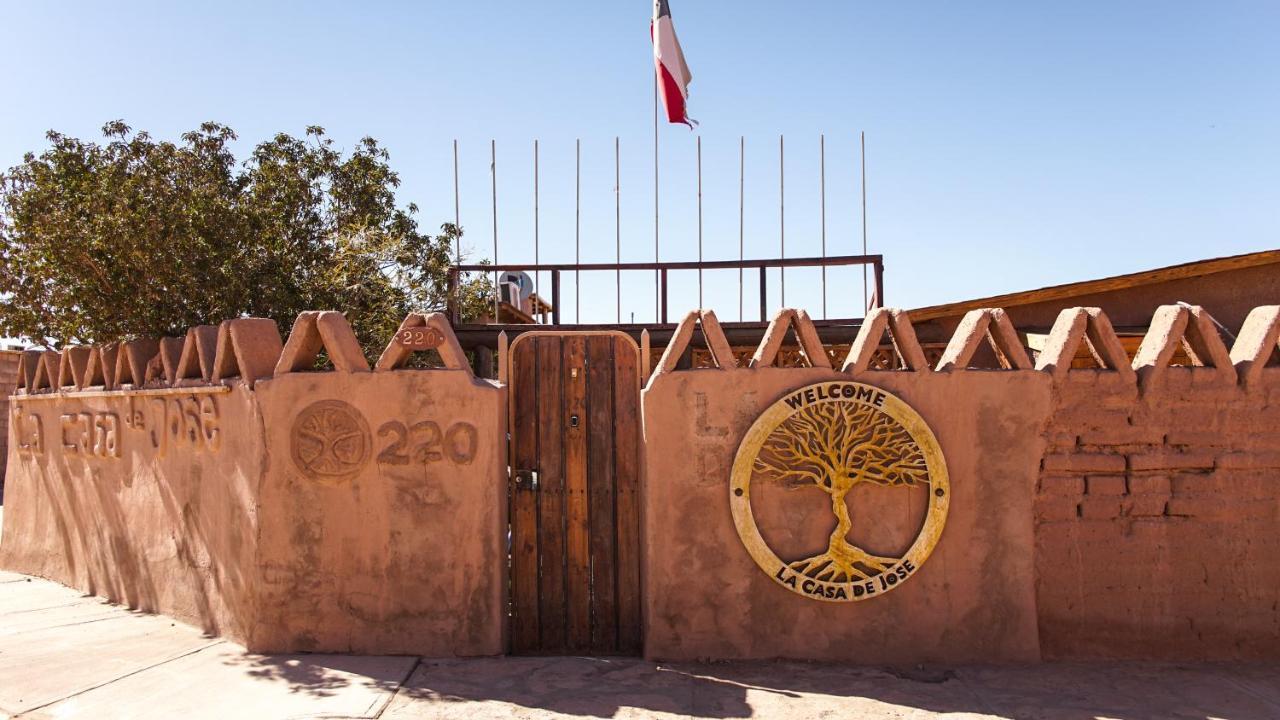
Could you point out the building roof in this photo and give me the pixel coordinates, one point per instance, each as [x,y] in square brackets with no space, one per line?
[1089,287]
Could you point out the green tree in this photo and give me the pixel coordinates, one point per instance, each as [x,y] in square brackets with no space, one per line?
[135,237]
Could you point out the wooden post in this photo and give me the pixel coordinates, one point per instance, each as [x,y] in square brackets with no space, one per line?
[451,298]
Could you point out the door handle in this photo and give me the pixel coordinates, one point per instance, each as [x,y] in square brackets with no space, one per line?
[527,479]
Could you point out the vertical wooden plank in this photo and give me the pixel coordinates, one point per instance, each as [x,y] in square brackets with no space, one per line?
[626,428]
[551,501]
[523,502]
[575,467]
[600,489]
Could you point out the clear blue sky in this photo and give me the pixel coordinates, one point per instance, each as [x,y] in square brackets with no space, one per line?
[1011,145]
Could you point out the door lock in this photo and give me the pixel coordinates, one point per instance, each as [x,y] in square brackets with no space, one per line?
[573,421]
[527,479]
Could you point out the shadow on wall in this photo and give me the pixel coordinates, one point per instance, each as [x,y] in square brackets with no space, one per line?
[607,687]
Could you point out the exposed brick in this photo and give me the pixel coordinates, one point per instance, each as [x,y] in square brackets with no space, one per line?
[1213,484]
[1062,485]
[1207,507]
[1084,462]
[1127,435]
[1056,508]
[1106,485]
[1170,460]
[1145,484]
[1100,508]
[1061,440]
[1146,505]
[1248,460]
[1196,438]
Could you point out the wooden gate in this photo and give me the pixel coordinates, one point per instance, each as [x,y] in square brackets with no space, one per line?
[574,503]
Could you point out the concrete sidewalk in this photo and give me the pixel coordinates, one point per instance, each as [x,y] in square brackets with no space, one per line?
[66,655]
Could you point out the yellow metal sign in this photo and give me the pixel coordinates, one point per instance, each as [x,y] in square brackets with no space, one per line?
[832,437]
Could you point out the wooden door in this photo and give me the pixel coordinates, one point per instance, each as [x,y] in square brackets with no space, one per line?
[574,502]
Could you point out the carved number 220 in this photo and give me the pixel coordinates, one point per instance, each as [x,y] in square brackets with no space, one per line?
[430,444]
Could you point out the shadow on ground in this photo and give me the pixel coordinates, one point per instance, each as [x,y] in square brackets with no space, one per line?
[617,687]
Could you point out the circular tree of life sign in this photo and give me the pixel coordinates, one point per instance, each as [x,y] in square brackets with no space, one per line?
[330,440]
[830,437]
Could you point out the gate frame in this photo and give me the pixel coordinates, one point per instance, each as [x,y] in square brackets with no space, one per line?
[644,366]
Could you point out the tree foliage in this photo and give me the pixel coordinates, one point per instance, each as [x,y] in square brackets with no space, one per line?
[136,237]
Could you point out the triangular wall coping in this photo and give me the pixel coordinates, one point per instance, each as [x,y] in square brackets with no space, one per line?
[132,359]
[101,369]
[901,333]
[1170,325]
[1070,329]
[1259,337]
[248,348]
[976,326]
[199,350]
[397,353]
[72,366]
[807,335]
[326,330]
[717,344]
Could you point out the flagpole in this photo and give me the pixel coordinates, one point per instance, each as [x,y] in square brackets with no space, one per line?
[656,273]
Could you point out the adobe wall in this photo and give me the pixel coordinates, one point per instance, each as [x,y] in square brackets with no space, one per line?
[973,601]
[1124,512]
[1158,519]
[8,384]
[407,555]
[216,479]
[147,499]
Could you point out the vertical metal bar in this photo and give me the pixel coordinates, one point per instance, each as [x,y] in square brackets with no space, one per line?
[457,242]
[457,215]
[555,297]
[764,283]
[742,164]
[700,305]
[577,230]
[879,284]
[493,175]
[617,225]
[782,215]
[864,224]
[822,184]
[537,274]
[663,280]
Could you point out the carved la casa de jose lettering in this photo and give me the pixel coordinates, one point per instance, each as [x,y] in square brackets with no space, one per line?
[186,422]
[833,591]
[832,437]
[160,423]
[91,433]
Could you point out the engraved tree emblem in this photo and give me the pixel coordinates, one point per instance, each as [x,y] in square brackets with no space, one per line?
[330,440]
[834,446]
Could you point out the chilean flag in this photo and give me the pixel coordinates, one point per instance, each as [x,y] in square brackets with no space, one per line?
[673,74]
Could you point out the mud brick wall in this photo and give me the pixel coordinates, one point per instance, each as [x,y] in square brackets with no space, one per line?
[220,480]
[8,384]
[1158,518]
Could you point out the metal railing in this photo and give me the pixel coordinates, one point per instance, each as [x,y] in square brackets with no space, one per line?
[661,271]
